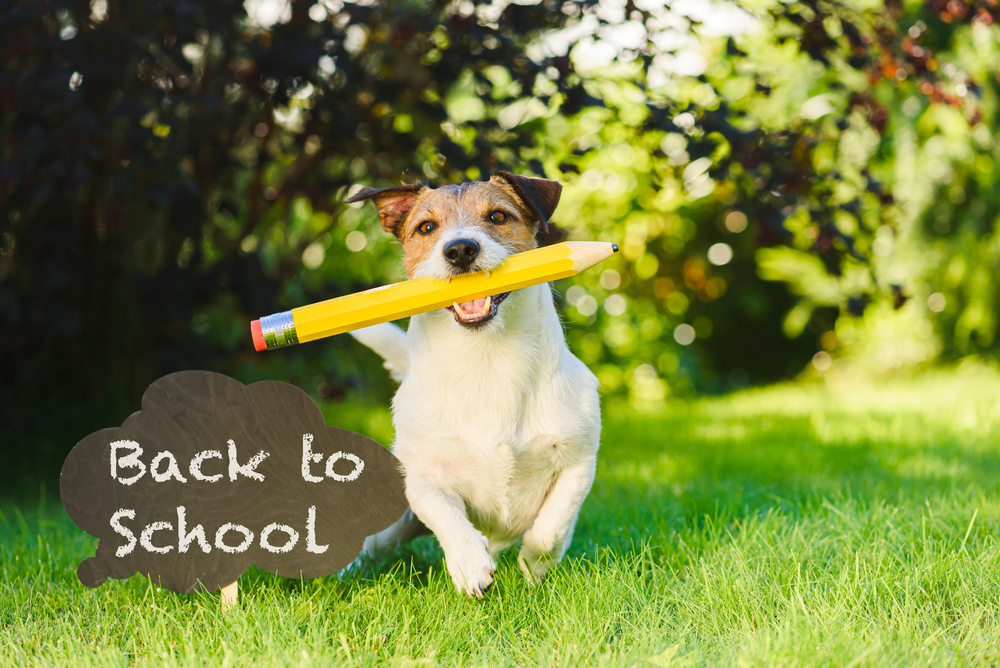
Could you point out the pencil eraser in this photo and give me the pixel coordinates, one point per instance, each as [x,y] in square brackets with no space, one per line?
[258,336]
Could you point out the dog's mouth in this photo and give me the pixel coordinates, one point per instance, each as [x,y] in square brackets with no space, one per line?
[478,312]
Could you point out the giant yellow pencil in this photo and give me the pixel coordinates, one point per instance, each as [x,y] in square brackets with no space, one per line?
[399,300]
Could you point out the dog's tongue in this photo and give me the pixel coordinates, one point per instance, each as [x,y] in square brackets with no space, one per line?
[474,306]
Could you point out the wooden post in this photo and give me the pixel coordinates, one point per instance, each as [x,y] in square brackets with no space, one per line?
[230,596]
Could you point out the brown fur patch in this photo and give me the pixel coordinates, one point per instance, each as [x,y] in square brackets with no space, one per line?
[466,205]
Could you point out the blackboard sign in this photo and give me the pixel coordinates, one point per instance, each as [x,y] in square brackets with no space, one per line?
[212,476]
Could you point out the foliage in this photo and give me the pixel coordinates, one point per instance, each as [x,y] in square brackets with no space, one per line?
[800,525]
[174,170]
[170,170]
[919,120]
[812,151]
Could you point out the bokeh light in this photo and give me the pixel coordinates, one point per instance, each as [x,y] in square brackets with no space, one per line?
[313,255]
[736,221]
[720,254]
[684,334]
[610,279]
[936,302]
[822,361]
[615,305]
[586,305]
[356,241]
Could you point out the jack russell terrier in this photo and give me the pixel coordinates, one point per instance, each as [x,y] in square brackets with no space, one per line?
[497,422]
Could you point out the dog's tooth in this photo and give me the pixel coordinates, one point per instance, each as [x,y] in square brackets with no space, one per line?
[447,279]
[458,308]
[488,304]
[487,272]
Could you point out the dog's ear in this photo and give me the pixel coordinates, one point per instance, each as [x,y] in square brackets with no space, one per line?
[539,195]
[392,203]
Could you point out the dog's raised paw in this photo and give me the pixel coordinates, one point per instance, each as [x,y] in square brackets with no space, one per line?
[470,566]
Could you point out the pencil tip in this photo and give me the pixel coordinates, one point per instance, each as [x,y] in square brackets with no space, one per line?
[614,248]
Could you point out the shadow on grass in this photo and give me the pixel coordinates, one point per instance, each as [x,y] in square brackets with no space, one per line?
[726,462]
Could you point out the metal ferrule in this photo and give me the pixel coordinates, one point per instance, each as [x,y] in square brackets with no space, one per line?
[278,330]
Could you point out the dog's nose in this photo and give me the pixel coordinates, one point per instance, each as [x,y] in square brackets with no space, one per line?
[461,252]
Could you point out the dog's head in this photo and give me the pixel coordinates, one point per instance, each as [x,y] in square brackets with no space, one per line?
[474,226]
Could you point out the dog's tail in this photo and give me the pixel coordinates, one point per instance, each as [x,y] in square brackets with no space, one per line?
[389,341]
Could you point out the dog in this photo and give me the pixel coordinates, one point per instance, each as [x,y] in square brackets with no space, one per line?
[497,423]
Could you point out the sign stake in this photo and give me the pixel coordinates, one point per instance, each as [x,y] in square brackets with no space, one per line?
[230,595]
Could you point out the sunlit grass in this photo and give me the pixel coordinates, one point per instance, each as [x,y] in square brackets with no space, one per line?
[843,524]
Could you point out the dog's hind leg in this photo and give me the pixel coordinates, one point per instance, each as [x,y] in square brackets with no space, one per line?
[405,529]
[545,543]
[389,341]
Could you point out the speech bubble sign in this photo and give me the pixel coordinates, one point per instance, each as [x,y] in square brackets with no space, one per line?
[212,476]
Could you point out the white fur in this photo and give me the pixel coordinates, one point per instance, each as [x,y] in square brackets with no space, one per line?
[389,341]
[497,429]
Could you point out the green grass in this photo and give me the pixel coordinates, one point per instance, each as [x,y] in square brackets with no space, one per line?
[844,525]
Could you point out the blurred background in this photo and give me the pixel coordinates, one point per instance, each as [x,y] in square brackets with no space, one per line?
[798,188]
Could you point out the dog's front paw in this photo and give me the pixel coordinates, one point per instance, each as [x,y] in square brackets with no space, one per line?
[470,565]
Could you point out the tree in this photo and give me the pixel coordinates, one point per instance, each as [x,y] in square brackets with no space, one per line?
[171,171]
[167,165]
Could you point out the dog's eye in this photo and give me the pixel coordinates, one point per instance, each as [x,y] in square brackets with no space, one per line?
[427,227]
[498,217]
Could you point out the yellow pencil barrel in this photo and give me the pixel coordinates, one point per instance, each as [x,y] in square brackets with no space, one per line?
[399,300]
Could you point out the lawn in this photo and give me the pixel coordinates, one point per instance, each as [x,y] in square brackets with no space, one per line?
[846,524]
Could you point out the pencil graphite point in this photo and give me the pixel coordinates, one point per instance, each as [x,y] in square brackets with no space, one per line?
[392,302]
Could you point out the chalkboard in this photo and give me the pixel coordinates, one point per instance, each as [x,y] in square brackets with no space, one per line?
[212,476]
